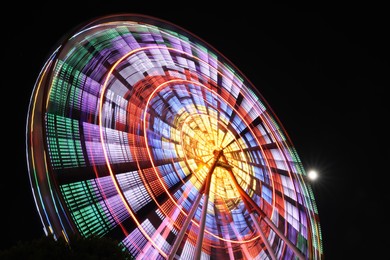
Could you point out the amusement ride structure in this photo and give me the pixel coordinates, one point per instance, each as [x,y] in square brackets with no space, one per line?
[140,131]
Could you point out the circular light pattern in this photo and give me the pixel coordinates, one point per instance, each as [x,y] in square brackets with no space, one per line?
[140,131]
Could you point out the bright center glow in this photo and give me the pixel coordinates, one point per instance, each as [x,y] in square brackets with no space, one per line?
[312,175]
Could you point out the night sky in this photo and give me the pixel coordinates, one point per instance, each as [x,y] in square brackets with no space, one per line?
[323,70]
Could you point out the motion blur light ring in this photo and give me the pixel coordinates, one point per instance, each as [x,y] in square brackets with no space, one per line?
[140,131]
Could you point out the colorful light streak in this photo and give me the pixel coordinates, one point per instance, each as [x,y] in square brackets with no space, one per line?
[122,130]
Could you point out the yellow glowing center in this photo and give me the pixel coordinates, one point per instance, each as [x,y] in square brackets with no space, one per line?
[201,136]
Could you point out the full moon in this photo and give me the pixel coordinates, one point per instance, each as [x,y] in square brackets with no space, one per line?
[312,175]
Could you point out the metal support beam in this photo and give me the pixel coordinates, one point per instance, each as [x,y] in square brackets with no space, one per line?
[259,211]
[199,241]
[284,238]
[206,191]
[262,235]
[184,228]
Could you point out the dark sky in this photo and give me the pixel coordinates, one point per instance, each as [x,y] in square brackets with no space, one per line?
[323,69]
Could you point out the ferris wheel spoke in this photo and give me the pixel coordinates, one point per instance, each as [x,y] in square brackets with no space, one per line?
[161,115]
[196,135]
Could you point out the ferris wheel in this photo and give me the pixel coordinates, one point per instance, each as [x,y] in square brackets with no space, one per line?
[140,131]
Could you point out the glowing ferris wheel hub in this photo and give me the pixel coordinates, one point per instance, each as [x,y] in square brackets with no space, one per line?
[140,131]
